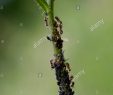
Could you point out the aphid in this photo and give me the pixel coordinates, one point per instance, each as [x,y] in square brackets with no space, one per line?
[52,61]
[58,83]
[61,56]
[73,93]
[72,84]
[59,43]
[49,38]
[71,77]
[56,32]
[61,31]
[55,24]
[68,66]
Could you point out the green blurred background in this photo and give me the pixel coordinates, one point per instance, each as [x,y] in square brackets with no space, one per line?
[25,70]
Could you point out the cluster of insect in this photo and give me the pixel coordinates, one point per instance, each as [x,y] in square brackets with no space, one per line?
[59,63]
[56,37]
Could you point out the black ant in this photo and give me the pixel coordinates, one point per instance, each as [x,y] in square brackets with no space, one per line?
[46,19]
[58,25]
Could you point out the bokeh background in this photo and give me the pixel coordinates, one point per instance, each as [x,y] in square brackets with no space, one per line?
[25,53]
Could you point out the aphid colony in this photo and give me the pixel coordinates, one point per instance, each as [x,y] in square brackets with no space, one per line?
[62,68]
[64,80]
[56,38]
[56,63]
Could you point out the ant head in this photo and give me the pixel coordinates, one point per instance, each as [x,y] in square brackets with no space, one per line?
[57,18]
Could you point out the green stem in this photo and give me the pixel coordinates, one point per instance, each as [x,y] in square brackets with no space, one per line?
[51,21]
[64,80]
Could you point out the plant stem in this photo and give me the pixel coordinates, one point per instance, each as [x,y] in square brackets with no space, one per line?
[51,20]
[64,81]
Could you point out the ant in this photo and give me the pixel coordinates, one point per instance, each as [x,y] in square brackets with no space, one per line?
[58,25]
[46,19]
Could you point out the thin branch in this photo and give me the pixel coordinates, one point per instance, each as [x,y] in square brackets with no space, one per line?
[62,68]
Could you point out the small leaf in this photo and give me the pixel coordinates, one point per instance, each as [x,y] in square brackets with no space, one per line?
[43,5]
